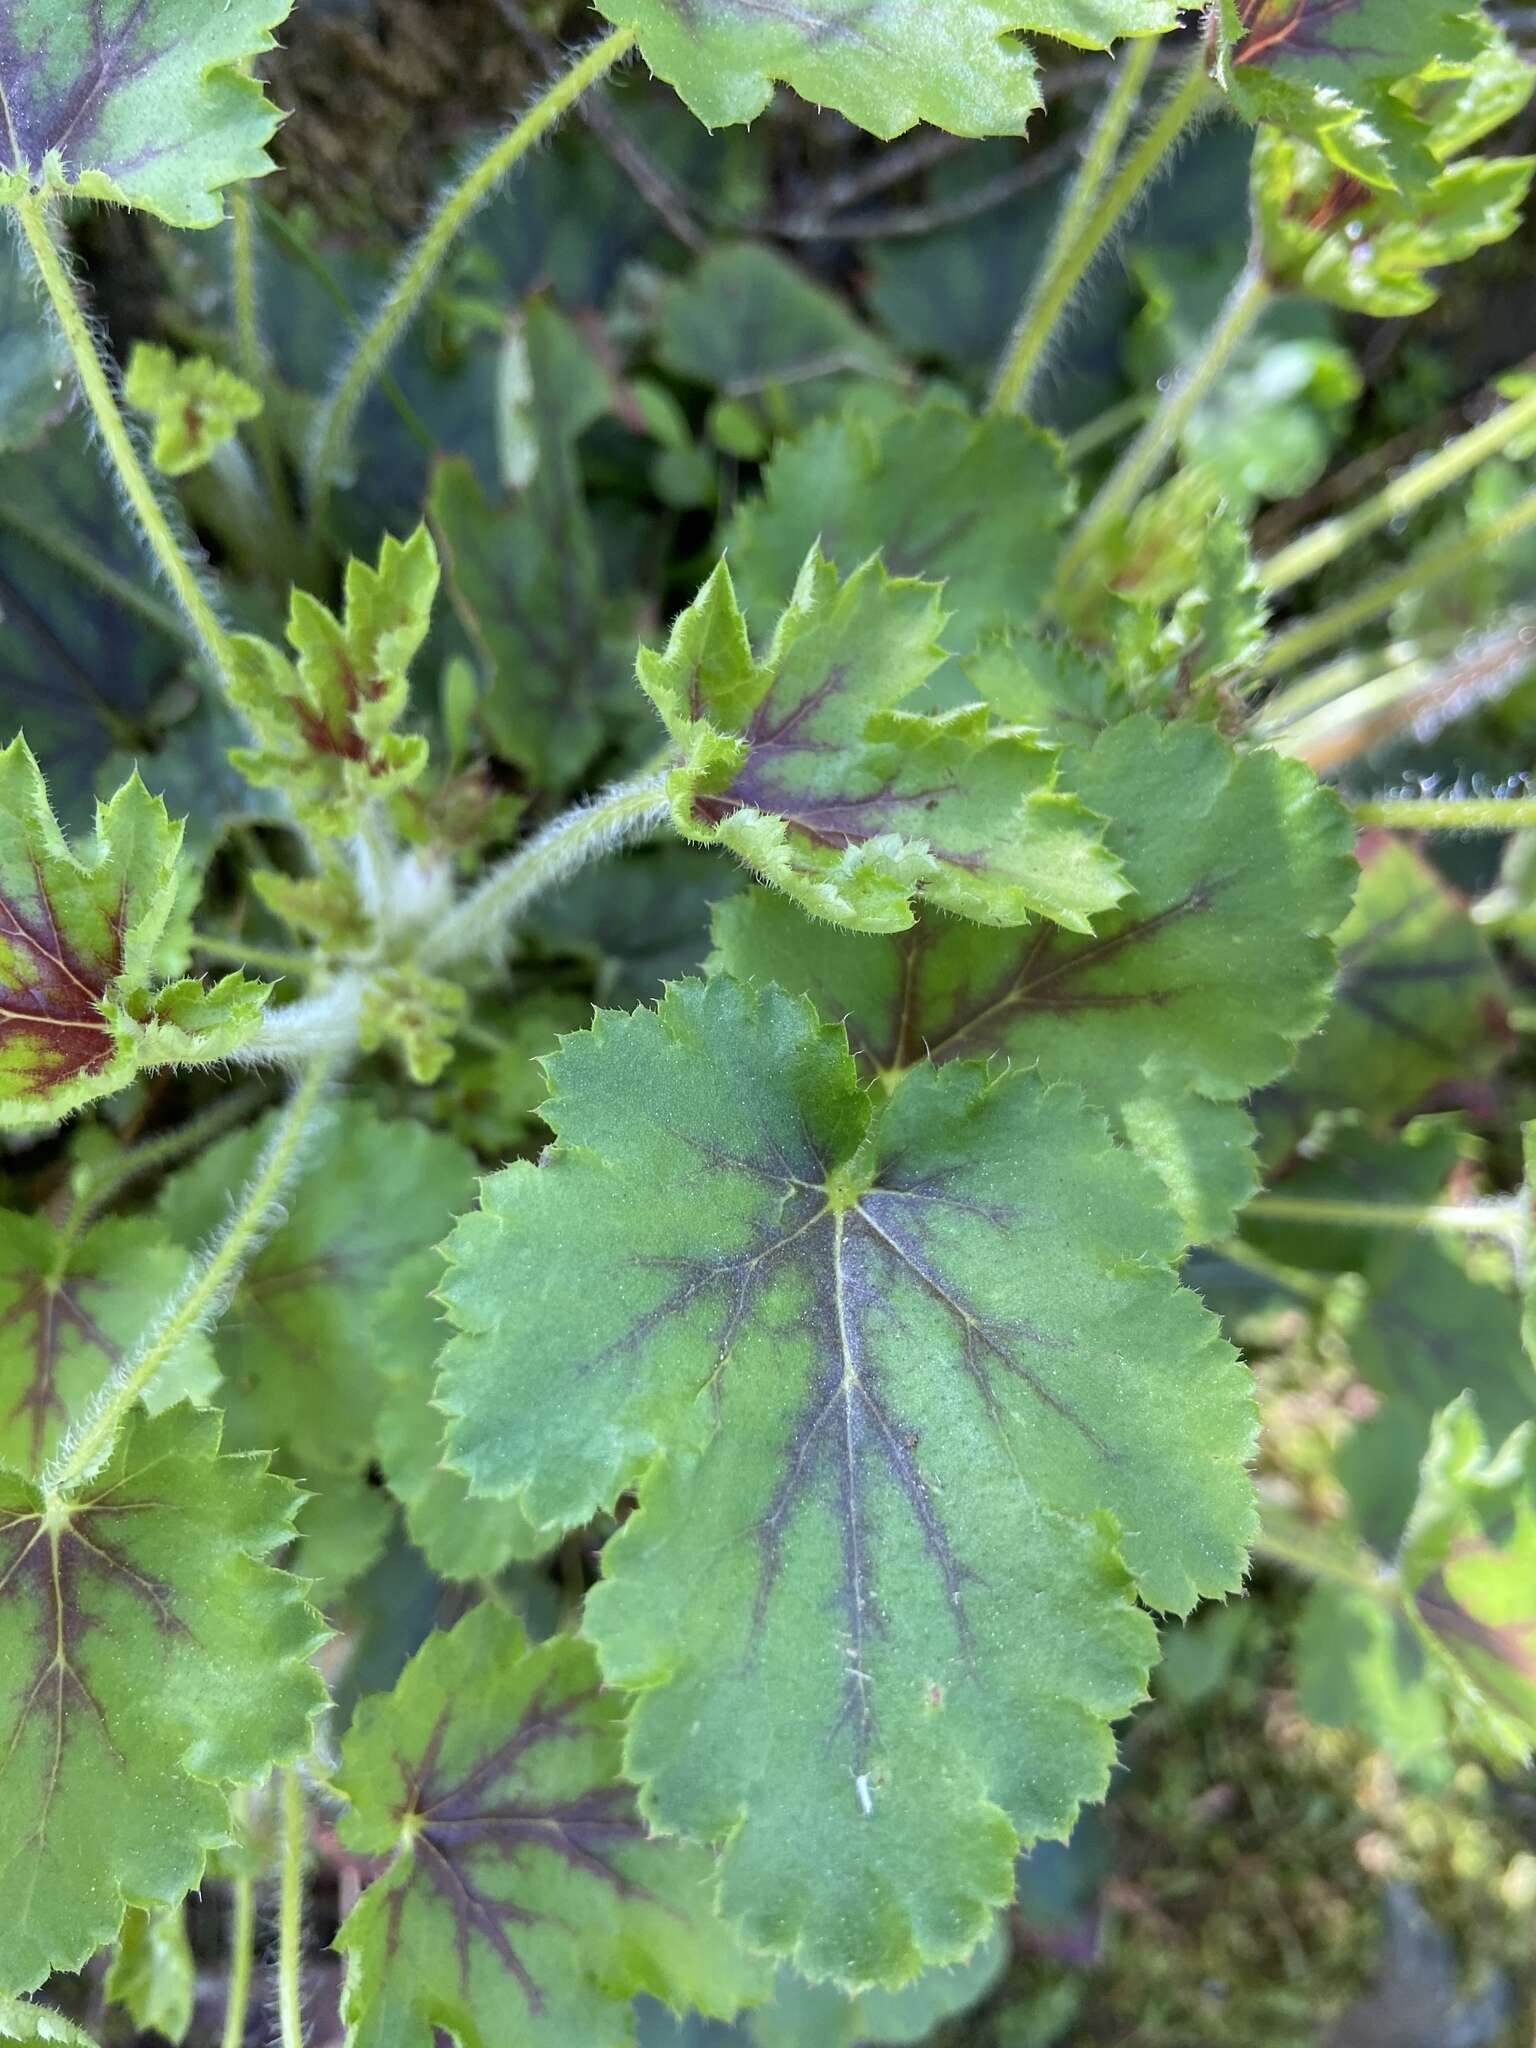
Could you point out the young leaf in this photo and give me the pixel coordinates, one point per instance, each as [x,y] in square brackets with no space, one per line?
[138,101]
[1333,71]
[327,725]
[1468,1563]
[80,1012]
[801,764]
[152,1659]
[153,1976]
[977,504]
[302,1343]
[67,1315]
[196,405]
[523,1898]
[889,1373]
[1185,998]
[461,1535]
[886,64]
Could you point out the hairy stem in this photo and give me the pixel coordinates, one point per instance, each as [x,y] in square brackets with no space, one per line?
[400,302]
[1430,566]
[1031,335]
[621,815]
[37,226]
[1432,474]
[1108,206]
[242,1942]
[1503,1217]
[1294,1545]
[204,1295]
[271,959]
[1140,465]
[290,1915]
[1448,813]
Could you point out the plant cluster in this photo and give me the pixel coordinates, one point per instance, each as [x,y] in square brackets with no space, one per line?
[716,1080]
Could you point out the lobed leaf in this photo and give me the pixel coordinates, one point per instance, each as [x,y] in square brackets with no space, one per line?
[523,1899]
[801,763]
[1186,997]
[138,101]
[195,404]
[892,1373]
[886,64]
[80,1009]
[153,1658]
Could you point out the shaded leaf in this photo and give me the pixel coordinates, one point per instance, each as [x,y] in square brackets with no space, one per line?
[139,101]
[641,920]
[802,765]
[889,1372]
[194,404]
[153,1659]
[523,1898]
[977,504]
[1184,997]
[35,377]
[69,1310]
[886,64]
[152,1975]
[301,1344]
[80,1009]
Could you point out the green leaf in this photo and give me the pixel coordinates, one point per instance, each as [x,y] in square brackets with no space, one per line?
[417,1014]
[1468,1564]
[977,504]
[138,101]
[1181,1002]
[889,1373]
[68,1312]
[153,1659]
[194,404]
[302,1343]
[1416,991]
[1338,73]
[80,1011]
[886,64]
[461,1535]
[35,386]
[637,921]
[326,725]
[22,2023]
[523,1898]
[801,763]
[1324,233]
[1359,1665]
[153,1975]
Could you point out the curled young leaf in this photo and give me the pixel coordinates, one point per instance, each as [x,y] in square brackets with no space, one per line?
[801,762]
[326,724]
[138,101]
[893,1374]
[196,405]
[153,1658]
[80,1009]
[886,64]
[1186,997]
[524,1900]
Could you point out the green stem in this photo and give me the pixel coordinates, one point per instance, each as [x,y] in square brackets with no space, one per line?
[38,228]
[215,1276]
[1503,1217]
[242,1943]
[1139,466]
[98,1189]
[627,812]
[239,954]
[290,1916]
[1430,566]
[1027,346]
[1116,420]
[1324,543]
[411,286]
[255,363]
[1107,208]
[1448,813]
[1294,1546]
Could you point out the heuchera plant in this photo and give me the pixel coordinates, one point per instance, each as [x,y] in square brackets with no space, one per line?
[840,1318]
